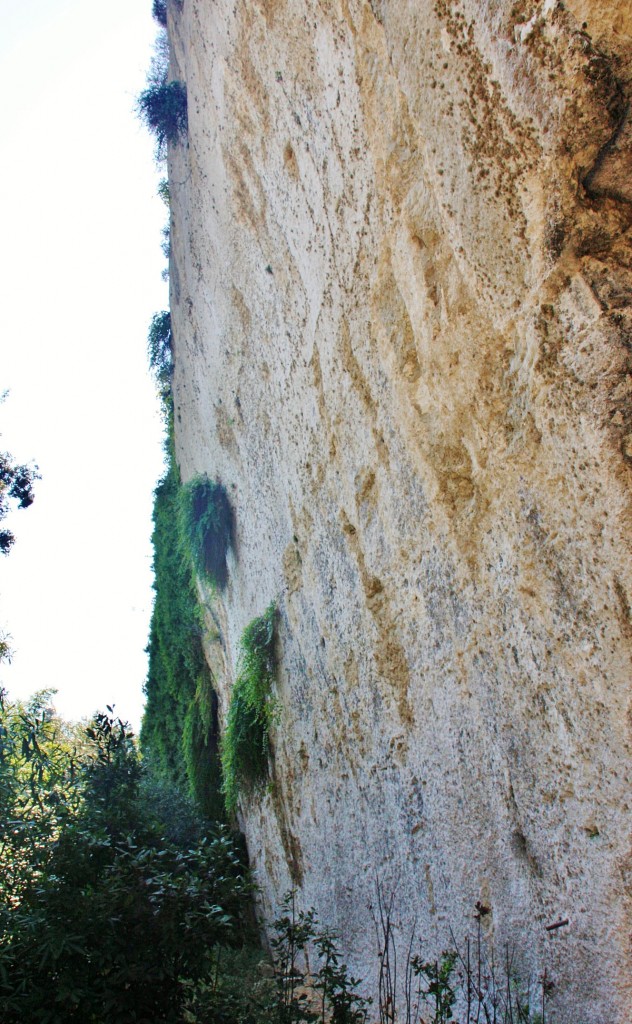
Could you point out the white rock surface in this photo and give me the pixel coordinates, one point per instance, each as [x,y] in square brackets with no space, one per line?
[401,281]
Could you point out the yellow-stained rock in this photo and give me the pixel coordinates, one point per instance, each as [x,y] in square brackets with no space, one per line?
[401,296]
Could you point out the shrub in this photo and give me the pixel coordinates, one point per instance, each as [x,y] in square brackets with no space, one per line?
[163,109]
[160,353]
[200,748]
[165,245]
[112,922]
[164,191]
[159,12]
[179,731]
[206,527]
[246,742]
[16,482]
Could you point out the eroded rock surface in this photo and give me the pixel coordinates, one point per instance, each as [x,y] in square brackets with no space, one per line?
[401,296]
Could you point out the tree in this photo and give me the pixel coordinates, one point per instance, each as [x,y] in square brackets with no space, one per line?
[111,919]
[163,109]
[160,354]
[16,483]
[38,762]
[159,11]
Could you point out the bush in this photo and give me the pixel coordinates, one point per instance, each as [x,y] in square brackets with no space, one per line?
[180,731]
[160,354]
[206,527]
[164,191]
[163,109]
[112,922]
[246,743]
[159,12]
[200,747]
[16,482]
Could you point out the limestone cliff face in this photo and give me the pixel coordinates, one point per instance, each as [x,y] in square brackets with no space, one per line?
[401,296]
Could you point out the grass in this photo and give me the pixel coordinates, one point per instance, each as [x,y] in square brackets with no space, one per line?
[246,743]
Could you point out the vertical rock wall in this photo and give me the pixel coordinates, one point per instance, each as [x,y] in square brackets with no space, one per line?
[401,282]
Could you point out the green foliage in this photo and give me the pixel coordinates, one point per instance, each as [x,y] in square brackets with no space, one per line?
[163,109]
[113,921]
[159,12]
[160,355]
[246,743]
[37,766]
[341,1003]
[334,993]
[205,520]
[164,191]
[238,990]
[118,904]
[179,732]
[245,989]
[16,484]
[200,742]
[438,977]
[293,933]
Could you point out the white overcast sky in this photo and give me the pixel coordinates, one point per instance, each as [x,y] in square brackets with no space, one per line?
[80,278]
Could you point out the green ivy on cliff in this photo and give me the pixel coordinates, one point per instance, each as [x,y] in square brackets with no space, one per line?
[246,743]
[179,733]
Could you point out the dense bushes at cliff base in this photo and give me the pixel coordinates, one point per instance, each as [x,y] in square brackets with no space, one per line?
[114,903]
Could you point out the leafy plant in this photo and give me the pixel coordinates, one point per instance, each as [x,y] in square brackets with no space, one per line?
[330,993]
[163,109]
[164,191]
[112,920]
[16,483]
[200,745]
[293,932]
[246,741]
[206,525]
[179,733]
[160,355]
[439,989]
[159,12]
[341,1001]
